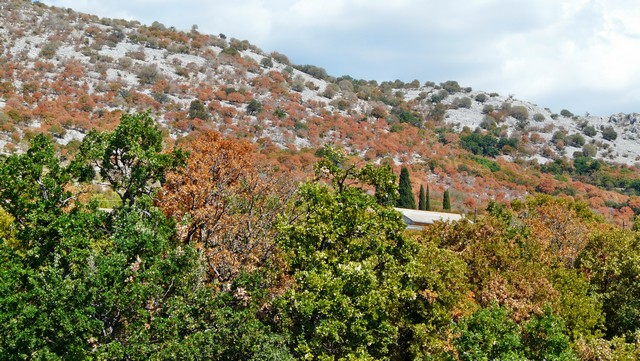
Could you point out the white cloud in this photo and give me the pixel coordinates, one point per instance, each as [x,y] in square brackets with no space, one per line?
[574,53]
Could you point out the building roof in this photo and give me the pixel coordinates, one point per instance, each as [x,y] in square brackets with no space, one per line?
[416,219]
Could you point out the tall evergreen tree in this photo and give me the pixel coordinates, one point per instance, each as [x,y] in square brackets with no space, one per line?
[427,203]
[405,199]
[422,201]
[446,201]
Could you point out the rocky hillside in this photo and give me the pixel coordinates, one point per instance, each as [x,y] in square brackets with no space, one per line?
[64,73]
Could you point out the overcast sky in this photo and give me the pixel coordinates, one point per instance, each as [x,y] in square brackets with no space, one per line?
[581,55]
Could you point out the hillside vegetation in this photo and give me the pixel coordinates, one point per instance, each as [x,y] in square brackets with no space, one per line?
[64,73]
[177,195]
[227,259]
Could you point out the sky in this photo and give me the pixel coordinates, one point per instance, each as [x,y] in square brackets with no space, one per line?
[580,55]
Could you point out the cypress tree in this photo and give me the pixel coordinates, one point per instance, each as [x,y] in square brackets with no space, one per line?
[405,199]
[446,201]
[427,204]
[422,200]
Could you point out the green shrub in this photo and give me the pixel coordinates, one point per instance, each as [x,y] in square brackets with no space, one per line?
[266,62]
[566,113]
[451,86]
[488,108]
[463,102]
[589,131]
[439,96]
[609,133]
[589,150]
[538,117]
[519,112]
[49,49]
[575,140]
[479,144]
[148,74]
[481,98]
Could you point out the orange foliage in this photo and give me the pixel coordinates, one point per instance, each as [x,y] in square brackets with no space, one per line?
[226,201]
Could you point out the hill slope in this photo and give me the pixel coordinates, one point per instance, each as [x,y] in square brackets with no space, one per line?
[65,73]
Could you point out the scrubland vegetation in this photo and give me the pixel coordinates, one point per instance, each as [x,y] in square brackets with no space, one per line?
[214,252]
[176,195]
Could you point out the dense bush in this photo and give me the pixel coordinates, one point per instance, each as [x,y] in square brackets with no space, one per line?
[464,102]
[479,144]
[566,113]
[451,86]
[609,134]
[538,117]
[519,112]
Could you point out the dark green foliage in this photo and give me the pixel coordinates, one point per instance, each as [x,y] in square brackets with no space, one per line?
[427,204]
[586,165]
[266,62]
[254,107]
[280,113]
[481,98]
[405,116]
[422,200]
[314,71]
[79,283]
[130,158]
[446,201]
[589,131]
[451,86]
[198,110]
[510,142]
[566,113]
[405,198]
[574,140]
[439,96]
[489,334]
[479,144]
[609,134]
[545,337]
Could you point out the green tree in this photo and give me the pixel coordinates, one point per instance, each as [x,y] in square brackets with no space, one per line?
[130,158]
[446,201]
[405,199]
[544,337]
[358,283]
[427,204]
[489,334]
[422,200]
[480,144]
[198,110]
[612,259]
[80,283]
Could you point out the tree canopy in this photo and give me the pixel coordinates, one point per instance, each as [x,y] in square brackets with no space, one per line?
[213,254]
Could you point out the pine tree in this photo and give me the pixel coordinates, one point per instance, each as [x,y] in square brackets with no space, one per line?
[422,200]
[405,199]
[446,201]
[427,204]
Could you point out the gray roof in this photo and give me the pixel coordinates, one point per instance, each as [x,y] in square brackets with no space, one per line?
[416,219]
